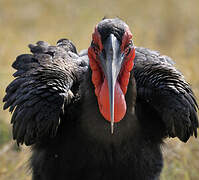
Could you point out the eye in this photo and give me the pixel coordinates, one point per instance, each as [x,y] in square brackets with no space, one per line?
[95,48]
[128,48]
[130,43]
[127,51]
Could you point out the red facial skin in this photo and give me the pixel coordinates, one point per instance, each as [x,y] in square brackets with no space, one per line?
[100,81]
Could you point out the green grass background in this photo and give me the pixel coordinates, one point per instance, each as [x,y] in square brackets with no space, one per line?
[170,26]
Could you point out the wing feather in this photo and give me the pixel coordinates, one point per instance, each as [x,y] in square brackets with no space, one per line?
[164,88]
[41,89]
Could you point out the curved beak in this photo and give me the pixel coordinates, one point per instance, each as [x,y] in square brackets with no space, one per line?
[111,60]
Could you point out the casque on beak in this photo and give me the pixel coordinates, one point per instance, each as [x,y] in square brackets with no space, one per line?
[111,60]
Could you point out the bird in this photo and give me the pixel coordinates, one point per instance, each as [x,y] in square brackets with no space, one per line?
[102,113]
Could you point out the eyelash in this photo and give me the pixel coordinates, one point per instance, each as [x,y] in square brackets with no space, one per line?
[127,48]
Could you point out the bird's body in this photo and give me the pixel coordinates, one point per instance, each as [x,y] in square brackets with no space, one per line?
[85,148]
[58,108]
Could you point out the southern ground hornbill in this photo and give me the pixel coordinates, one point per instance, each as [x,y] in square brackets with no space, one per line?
[101,114]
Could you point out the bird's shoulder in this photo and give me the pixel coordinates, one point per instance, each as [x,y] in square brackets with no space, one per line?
[148,56]
[164,90]
[46,84]
[153,69]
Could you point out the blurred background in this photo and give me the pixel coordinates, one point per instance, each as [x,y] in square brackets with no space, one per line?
[169,26]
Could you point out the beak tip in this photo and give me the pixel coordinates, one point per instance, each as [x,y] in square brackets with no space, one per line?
[112,127]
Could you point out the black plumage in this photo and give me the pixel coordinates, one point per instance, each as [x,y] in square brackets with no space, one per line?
[56,111]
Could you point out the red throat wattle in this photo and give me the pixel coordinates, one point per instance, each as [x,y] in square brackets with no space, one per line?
[100,81]
[103,102]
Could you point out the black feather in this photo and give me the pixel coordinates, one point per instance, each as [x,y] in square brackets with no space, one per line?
[164,88]
[55,110]
[39,93]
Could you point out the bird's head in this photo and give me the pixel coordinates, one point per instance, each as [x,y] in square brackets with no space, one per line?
[111,56]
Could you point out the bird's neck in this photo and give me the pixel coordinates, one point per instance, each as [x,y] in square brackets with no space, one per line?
[92,122]
[130,96]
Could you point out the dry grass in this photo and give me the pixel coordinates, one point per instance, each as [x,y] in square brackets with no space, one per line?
[170,26]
